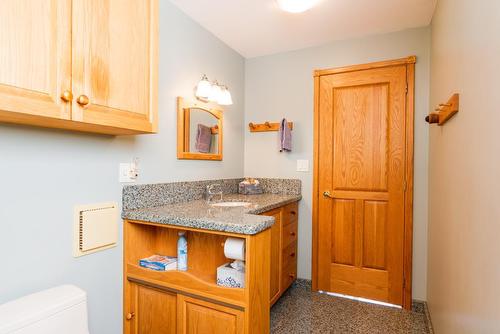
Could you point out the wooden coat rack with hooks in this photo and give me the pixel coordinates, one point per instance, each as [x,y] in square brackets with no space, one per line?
[444,111]
[267,126]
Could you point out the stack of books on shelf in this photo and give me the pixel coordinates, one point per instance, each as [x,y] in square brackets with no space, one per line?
[159,263]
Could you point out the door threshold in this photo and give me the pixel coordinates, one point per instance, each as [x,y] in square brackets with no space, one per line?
[360,299]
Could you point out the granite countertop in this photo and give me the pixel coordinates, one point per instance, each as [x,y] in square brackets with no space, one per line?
[199,214]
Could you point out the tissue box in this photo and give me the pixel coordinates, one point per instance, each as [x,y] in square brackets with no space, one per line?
[229,277]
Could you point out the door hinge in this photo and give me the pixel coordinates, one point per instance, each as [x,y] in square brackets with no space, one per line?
[404,186]
[406,89]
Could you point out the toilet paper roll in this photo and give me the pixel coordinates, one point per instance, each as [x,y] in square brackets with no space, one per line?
[234,249]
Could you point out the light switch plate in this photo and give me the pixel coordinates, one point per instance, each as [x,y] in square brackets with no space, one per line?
[302,165]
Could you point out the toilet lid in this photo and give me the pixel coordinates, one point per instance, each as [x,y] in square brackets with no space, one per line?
[32,308]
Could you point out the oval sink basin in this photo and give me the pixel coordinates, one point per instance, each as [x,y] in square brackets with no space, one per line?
[231,204]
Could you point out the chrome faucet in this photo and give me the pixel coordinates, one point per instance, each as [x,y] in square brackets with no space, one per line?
[210,193]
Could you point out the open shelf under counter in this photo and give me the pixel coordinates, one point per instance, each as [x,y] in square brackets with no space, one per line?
[186,282]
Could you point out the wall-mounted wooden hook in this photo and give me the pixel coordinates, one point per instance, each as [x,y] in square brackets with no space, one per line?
[432,118]
[267,126]
[445,111]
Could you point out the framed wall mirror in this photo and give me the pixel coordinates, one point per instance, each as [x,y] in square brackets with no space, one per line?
[199,131]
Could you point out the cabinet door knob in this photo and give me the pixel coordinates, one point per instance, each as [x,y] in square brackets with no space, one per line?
[130,315]
[293,254]
[82,100]
[292,276]
[292,234]
[293,213]
[67,96]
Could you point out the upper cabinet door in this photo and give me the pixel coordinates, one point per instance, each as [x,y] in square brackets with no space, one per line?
[115,63]
[35,60]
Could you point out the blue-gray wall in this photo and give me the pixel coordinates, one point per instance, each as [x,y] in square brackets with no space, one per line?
[281,85]
[45,173]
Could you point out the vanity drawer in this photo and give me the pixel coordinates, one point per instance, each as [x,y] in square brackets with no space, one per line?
[289,254]
[289,234]
[290,213]
[289,274]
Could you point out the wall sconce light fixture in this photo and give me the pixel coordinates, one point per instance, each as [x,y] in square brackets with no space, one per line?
[213,92]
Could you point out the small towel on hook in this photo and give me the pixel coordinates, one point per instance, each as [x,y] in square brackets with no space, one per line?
[203,139]
[285,136]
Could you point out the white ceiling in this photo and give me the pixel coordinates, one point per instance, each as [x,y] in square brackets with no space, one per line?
[259,27]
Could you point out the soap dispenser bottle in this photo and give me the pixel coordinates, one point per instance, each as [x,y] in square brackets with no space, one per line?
[182,252]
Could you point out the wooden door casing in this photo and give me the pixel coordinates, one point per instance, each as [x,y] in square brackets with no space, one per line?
[121,90]
[35,59]
[362,234]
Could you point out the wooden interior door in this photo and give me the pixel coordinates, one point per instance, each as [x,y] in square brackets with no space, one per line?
[361,182]
[35,59]
[114,63]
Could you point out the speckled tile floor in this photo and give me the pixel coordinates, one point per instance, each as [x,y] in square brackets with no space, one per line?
[302,311]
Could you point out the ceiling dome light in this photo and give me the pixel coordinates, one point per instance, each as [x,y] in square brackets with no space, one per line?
[296,6]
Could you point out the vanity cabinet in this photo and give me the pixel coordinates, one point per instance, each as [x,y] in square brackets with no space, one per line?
[84,65]
[191,302]
[283,249]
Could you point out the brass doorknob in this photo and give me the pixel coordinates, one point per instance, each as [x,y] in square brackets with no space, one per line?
[67,96]
[82,100]
[130,315]
[327,194]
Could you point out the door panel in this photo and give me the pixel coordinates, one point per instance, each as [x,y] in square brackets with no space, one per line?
[343,232]
[155,311]
[200,317]
[374,232]
[360,137]
[118,87]
[361,164]
[35,57]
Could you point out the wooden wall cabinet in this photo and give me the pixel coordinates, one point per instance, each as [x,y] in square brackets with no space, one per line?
[84,65]
[283,249]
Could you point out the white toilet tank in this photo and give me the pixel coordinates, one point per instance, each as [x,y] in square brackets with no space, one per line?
[60,310]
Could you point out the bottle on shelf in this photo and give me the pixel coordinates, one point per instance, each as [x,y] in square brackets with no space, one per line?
[182,252]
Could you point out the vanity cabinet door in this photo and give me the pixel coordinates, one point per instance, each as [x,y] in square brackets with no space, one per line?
[150,311]
[114,69]
[35,61]
[200,317]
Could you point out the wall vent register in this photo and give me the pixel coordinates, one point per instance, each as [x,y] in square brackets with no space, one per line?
[95,228]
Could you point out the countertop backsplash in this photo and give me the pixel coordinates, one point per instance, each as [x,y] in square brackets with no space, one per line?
[158,194]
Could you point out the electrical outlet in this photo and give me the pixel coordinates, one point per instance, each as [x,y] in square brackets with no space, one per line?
[128,172]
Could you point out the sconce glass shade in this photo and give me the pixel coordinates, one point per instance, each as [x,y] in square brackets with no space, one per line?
[204,88]
[225,97]
[215,93]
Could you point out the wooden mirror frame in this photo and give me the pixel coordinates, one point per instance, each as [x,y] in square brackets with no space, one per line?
[183,130]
